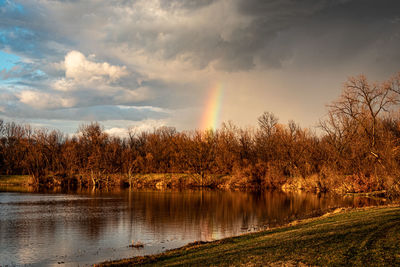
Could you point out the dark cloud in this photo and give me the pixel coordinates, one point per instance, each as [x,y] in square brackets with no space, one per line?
[259,39]
[341,29]
[248,44]
[94,113]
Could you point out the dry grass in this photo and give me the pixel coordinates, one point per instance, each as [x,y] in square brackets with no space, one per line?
[15,180]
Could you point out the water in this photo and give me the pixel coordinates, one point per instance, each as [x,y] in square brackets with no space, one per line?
[70,229]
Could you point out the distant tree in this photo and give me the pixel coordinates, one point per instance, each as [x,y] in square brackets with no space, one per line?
[267,122]
[200,153]
[93,141]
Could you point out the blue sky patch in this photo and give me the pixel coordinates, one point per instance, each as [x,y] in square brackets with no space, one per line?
[10,5]
[7,61]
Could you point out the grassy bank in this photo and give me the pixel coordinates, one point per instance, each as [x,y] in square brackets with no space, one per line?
[180,180]
[14,180]
[313,183]
[369,236]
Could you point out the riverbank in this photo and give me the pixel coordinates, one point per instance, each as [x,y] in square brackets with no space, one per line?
[14,180]
[344,237]
[340,185]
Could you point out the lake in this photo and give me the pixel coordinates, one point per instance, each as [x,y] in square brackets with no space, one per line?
[79,228]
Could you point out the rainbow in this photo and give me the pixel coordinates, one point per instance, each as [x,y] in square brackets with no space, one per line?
[211,115]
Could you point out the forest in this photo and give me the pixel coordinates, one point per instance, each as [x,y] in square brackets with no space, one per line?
[355,148]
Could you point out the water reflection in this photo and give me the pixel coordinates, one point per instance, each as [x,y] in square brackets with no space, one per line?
[91,226]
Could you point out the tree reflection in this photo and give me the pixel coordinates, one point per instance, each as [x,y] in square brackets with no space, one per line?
[41,226]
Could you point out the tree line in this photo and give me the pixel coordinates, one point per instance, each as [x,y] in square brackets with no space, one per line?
[357,146]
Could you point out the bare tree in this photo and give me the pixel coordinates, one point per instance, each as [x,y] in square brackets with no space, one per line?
[364,102]
[267,122]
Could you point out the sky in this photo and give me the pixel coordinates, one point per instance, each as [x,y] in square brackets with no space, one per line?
[190,64]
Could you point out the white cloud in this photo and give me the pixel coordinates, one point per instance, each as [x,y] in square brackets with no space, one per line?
[79,68]
[82,73]
[43,100]
[151,108]
[136,127]
[121,132]
[98,83]
[63,85]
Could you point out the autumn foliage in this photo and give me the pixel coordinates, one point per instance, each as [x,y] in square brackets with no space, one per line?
[356,148]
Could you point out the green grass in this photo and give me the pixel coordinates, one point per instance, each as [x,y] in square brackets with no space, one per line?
[369,236]
[14,179]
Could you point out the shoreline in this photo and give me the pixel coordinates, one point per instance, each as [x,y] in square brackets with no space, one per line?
[340,231]
[180,181]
